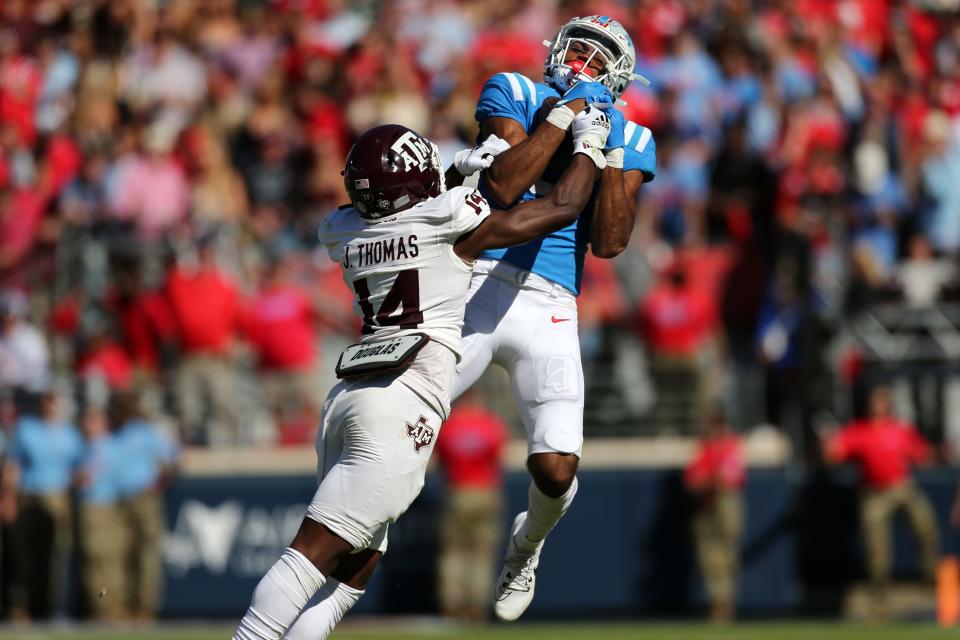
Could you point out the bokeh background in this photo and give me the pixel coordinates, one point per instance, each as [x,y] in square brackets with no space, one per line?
[164,166]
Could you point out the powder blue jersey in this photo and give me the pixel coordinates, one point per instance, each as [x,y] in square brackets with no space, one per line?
[146,449]
[47,453]
[557,256]
[102,459]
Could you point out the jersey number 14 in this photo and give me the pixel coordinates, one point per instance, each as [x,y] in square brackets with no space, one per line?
[404,293]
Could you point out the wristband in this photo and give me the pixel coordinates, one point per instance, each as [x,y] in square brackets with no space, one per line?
[561,117]
[614,158]
[592,152]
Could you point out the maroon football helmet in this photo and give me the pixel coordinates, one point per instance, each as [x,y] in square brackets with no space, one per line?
[391,168]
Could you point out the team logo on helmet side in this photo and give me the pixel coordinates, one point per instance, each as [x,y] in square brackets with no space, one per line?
[413,149]
[603,21]
[390,169]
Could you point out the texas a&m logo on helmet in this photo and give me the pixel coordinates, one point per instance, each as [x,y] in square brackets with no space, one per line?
[416,151]
[391,168]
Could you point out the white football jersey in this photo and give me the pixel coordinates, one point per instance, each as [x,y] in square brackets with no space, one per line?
[402,268]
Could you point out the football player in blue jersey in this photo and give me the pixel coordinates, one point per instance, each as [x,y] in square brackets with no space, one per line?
[522,311]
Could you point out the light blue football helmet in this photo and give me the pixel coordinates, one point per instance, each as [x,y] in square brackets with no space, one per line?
[606,37]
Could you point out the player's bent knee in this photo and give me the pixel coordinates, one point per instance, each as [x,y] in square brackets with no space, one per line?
[553,487]
[356,569]
[320,545]
[553,473]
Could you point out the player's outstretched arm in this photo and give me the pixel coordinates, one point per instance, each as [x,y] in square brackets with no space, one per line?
[537,217]
[532,219]
[515,170]
[518,168]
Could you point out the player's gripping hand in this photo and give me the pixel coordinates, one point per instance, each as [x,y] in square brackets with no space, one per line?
[592,92]
[468,161]
[590,129]
[613,151]
[589,92]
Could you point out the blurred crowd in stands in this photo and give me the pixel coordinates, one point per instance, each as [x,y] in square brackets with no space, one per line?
[164,166]
[83,499]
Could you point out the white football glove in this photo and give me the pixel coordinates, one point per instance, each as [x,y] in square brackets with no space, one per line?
[468,161]
[590,129]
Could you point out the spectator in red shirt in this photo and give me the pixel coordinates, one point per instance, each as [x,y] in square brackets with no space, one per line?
[678,322]
[280,326]
[205,310]
[715,476]
[884,447]
[469,451]
[20,80]
[104,359]
[21,219]
[145,320]
[148,334]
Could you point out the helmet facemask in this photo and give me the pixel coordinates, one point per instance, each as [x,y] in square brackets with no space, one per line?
[618,70]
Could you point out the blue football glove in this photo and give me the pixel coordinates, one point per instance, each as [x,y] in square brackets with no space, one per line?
[593,92]
[617,123]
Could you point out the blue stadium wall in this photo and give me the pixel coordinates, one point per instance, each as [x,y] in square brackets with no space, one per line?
[623,550]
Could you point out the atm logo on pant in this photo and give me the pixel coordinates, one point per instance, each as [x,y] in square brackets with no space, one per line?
[421,432]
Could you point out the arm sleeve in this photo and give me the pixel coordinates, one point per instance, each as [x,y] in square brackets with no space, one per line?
[639,151]
[470,208]
[505,95]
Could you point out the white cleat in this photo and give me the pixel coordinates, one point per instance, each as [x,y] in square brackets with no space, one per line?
[513,592]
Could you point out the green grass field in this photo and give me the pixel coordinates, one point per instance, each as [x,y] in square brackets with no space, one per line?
[412,631]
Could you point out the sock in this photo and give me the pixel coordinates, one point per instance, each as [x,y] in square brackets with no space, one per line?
[325,611]
[279,597]
[543,513]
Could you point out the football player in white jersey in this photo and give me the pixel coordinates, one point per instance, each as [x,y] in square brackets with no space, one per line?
[406,246]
